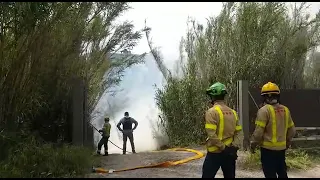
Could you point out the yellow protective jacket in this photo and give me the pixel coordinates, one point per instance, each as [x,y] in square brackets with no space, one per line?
[222,127]
[274,127]
[106,129]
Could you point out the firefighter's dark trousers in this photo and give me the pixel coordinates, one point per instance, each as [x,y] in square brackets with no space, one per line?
[126,135]
[103,141]
[274,163]
[214,161]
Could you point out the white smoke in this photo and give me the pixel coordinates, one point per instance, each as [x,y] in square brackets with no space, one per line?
[137,97]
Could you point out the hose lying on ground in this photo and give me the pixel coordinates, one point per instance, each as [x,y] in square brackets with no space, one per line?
[162,164]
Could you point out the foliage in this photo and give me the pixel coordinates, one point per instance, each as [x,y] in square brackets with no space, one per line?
[258,42]
[295,159]
[31,159]
[46,48]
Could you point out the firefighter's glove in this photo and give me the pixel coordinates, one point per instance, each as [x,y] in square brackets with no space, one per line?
[288,145]
[101,132]
[253,147]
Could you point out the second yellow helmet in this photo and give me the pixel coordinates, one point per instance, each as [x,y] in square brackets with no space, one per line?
[270,88]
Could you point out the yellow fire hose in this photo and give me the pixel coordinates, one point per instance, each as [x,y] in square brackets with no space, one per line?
[163,164]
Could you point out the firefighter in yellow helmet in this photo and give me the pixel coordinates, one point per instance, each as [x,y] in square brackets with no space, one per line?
[273,133]
[223,130]
[105,133]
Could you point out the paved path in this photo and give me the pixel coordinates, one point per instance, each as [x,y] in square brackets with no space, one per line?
[191,169]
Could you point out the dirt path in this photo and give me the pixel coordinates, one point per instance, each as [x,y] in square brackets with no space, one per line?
[189,170]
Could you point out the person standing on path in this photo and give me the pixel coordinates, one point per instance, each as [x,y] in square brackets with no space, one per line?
[273,133]
[127,131]
[224,135]
[105,133]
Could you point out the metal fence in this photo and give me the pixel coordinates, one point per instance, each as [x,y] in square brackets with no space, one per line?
[303,104]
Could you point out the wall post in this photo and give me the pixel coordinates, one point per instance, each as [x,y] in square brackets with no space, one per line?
[243,110]
[77,112]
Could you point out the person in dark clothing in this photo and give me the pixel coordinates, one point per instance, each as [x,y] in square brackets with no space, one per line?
[127,131]
[105,133]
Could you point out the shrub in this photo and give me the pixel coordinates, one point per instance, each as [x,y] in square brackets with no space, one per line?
[295,159]
[31,159]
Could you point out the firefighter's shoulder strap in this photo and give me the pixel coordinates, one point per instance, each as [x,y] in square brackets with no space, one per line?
[221,121]
[274,135]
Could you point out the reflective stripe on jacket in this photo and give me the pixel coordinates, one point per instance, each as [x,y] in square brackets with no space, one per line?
[222,127]
[274,127]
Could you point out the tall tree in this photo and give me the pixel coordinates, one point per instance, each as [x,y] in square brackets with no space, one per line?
[258,42]
[44,47]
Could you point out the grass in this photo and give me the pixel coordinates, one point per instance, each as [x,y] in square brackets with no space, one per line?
[34,160]
[295,159]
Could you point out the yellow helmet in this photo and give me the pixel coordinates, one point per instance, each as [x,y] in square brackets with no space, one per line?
[270,88]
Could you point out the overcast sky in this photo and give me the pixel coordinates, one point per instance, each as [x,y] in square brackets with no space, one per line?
[168,21]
